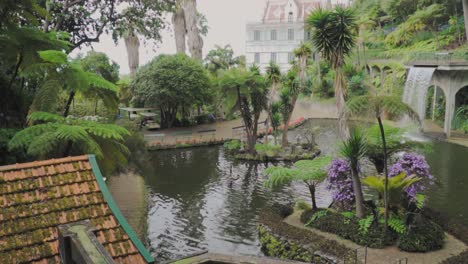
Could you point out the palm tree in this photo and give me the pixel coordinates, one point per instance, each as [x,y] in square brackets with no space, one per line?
[310,172]
[289,93]
[334,37]
[353,149]
[273,75]
[303,53]
[375,105]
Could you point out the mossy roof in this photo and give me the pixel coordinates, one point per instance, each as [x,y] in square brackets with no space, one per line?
[37,197]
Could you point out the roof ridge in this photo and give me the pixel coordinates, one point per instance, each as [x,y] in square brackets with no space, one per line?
[33,164]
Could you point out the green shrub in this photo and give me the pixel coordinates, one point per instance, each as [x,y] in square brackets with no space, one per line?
[302,205]
[306,215]
[9,156]
[233,145]
[277,227]
[276,247]
[268,150]
[282,209]
[422,236]
[363,232]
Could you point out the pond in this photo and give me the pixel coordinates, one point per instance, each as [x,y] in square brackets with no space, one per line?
[201,199]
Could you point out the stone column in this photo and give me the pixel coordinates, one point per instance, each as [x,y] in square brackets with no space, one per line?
[449,109]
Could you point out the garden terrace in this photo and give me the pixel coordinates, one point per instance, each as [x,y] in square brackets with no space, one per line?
[38,197]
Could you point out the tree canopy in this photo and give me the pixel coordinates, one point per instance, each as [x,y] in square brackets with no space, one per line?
[172,83]
[221,58]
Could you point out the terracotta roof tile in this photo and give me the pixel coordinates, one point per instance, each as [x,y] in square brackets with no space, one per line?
[38,196]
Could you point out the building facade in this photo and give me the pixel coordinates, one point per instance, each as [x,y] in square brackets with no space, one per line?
[280,31]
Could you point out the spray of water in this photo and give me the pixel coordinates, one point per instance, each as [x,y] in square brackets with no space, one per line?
[414,94]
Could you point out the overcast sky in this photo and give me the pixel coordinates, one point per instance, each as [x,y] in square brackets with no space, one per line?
[226,21]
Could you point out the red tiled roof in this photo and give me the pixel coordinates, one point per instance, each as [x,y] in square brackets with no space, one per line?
[37,197]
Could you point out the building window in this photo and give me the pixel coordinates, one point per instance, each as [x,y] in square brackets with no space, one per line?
[257,58]
[290,57]
[290,17]
[273,34]
[256,35]
[273,57]
[291,34]
[307,35]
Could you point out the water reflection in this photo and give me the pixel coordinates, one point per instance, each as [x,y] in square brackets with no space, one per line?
[449,164]
[202,199]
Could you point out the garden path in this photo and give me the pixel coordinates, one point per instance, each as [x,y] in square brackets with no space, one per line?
[389,255]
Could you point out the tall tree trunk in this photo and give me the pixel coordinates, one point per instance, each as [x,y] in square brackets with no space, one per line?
[133,45]
[194,39]
[16,70]
[178,21]
[384,145]
[271,97]
[68,149]
[465,16]
[312,195]
[340,90]
[284,140]
[319,71]
[358,193]
[67,106]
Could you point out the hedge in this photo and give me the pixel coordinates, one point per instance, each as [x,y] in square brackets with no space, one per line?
[422,236]
[291,237]
[348,228]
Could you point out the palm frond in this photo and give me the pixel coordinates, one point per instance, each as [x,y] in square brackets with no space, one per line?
[53,56]
[46,98]
[46,117]
[354,148]
[42,144]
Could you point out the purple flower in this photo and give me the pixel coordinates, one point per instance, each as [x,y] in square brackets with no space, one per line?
[340,182]
[412,163]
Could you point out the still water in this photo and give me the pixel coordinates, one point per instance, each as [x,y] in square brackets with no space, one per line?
[201,199]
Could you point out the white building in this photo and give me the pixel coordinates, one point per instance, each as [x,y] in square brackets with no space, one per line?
[280,31]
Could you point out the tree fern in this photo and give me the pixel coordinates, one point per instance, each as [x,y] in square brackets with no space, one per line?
[309,172]
[61,74]
[51,135]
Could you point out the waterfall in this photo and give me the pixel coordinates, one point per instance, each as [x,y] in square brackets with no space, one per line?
[414,94]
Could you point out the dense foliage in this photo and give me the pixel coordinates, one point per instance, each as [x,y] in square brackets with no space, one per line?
[422,236]
[349,227]
[52,135]
[172,83]
[222,58]
[246,92]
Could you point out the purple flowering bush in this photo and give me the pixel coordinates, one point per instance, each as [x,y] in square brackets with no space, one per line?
[340,182]
[413,163]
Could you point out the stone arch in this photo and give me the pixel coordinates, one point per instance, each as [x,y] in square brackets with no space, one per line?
[435,104]
[461,102]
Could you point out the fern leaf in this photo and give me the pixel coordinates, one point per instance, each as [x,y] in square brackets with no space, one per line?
[53,56]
